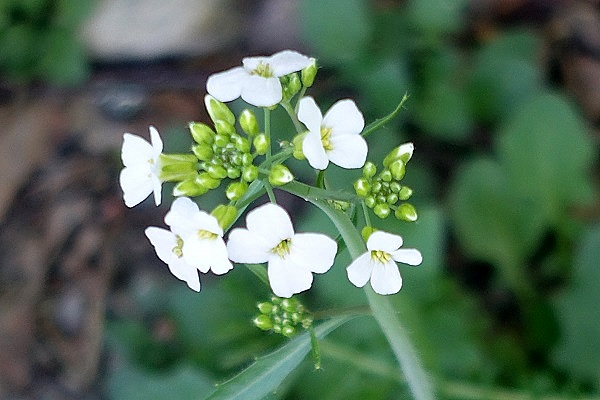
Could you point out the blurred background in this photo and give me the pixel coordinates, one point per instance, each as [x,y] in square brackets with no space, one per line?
[504,111]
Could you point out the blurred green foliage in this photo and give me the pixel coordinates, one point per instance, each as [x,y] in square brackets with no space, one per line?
[501,215]
[39,40]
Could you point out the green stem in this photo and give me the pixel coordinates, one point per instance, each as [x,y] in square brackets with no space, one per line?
[366,213]
[308,192]
[373,126]
[268,131]
[292,114]
[270,193]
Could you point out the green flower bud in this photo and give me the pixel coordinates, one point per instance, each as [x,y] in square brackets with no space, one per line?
[280,175]
[241,144]
[366,232]
[405,193]
[236,190]
[203,152]
[289,305]
[204,179]
[403,152]
[362,187]
[290,85]
[386,175]
[265,307]
[395,187]
[369,170]
[406,212]
[225,215]
[261,144]
[233,173]
[288,331]
[201,133]
[189,188]
[370,201]
[309,73]
[382,210]
[398,169]
[250,173]
[247,159]
[224,128]
[216,171]
[297,143]
[248,122]
[391,199]
[221,140]
[376,187]
[218,111]
[263,322]
[177,167]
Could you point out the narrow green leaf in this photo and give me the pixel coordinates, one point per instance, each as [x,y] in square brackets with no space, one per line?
[266,373]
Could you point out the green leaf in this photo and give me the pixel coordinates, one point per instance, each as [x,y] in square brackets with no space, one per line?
[266,373]
[328,23]
[547,154]
[436,16]
[577,311]
[182,383]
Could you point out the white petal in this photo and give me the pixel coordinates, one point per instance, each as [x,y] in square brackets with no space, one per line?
[185,272]
[227,85]
[205,221]
[136,183]
[287,278]
[287,61]
[313,150]
[359,270]
[384,241]
[261,92]
[157,144]
[206,254]
[313,251]
[181,216]
[135,150]
[408,256]
[220,263]
[251,63]
[386,278]
[157,189]
[310,114]
[164,242]
[344,117]
[246,247]
[349,151]
[271,223]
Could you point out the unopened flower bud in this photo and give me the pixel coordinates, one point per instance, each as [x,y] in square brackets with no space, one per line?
[233,173]
[177,167]
[391,199]
[403,152]
[405,193]
[189,188]
[366,232]
[386,175]
[382,210]
[247,159]
[241,144]
[261,144]
[263,322]
[369,169]
[291,85]
[406,212]
[218,111]
[288,331]
[309,73]
[204,152]
[204,179]
[201,133]
[395,187]
[370,201]
[280,175]
[224,128]
[221,140]
[398,169]
[362,187]
[248,122]
[298,153]
[216,171]
[235,190]
[250,173]
[265,307]
[225,215]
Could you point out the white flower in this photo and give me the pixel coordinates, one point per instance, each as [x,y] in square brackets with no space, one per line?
[335,137]
[168,247]
[291,257]
[257,81]
[203,245]
[140,176]
[379,263]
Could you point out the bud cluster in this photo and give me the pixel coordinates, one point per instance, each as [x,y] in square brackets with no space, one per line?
[383,191]
[282,316]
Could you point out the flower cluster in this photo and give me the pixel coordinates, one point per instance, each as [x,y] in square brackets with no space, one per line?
[239,151]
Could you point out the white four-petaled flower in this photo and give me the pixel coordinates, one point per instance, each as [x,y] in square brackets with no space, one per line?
[140,177]
[257,81]
[334,137]
[292,257]
[195,243]
[379,263]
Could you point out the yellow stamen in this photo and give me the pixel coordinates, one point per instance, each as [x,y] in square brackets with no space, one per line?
[325,138]
[380,256]
[178,249]
[283,248]
[202,234]
[263,69]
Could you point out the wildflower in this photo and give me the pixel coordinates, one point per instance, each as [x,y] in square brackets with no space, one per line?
[257,81]
[203,245]
[140,177]
[168,247]
[378,264]
[291,257]
[334,137]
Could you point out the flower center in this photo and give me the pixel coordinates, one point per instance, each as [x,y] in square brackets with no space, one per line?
[203,234]
[178,249]
[325,138]
[283,248]
[263,69]
[380,256]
